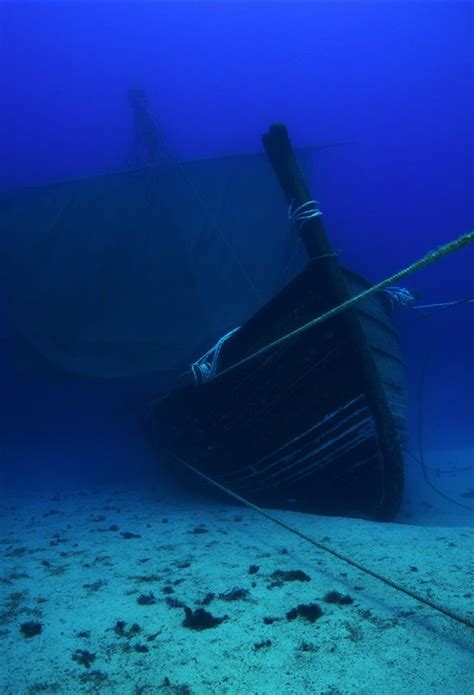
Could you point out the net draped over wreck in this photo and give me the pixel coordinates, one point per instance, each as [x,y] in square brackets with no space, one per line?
[139,272]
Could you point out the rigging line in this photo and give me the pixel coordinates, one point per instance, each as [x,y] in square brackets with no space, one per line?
[441,306]
[420,440]
[430,257]
[292,255]
[439,470]
[426,314]
[340,556]
[439,492]
[214,224]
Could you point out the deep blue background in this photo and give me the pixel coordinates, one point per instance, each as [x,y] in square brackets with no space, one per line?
[396,78]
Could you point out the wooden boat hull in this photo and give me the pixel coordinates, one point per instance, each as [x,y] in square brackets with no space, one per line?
[298,427]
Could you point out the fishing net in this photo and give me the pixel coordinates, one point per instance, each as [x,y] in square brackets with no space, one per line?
[139,272]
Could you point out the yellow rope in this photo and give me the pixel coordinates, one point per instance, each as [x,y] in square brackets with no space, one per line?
[430,257]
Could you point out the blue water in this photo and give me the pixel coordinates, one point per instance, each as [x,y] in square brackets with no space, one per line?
[394,79]
[395,82]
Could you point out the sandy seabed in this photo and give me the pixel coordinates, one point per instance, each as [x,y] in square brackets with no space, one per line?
[107,579]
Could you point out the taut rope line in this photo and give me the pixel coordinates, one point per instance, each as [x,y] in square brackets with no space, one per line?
[430,257]
[340,556]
